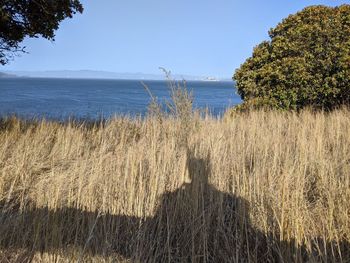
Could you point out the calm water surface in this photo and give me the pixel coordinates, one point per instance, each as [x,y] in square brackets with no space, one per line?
[64,98]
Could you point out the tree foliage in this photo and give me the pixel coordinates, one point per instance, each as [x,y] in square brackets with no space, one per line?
[31,18]
[306,62]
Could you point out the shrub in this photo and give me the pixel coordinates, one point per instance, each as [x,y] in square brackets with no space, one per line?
[305,63]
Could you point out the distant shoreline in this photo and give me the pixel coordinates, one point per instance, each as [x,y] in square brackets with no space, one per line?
[90,74]
[77,78]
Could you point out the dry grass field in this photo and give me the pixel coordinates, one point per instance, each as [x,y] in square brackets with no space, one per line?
[259,187]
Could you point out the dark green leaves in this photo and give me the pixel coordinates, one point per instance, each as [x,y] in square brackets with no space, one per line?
[31,18]
[306,62]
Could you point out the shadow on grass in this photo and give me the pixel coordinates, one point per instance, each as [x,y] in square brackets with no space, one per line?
[196,222]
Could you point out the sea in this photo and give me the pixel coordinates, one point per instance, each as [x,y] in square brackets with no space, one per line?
[62,99]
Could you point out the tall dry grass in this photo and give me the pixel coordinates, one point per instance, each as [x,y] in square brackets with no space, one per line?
[262,186]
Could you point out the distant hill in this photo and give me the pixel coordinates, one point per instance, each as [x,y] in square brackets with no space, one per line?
[6,75]
[92,74]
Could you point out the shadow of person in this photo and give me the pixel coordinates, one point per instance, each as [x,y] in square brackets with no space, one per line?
[195,223]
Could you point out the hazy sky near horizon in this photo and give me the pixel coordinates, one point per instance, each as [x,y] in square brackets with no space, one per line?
[193,37]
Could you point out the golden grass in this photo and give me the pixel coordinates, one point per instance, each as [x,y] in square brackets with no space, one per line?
[262,186]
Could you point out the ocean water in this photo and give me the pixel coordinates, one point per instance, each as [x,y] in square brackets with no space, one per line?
[86,98]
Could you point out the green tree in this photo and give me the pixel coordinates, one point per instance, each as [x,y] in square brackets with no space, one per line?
[305,63]
[31,18]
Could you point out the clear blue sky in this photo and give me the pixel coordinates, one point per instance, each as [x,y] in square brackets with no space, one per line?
[197,37]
